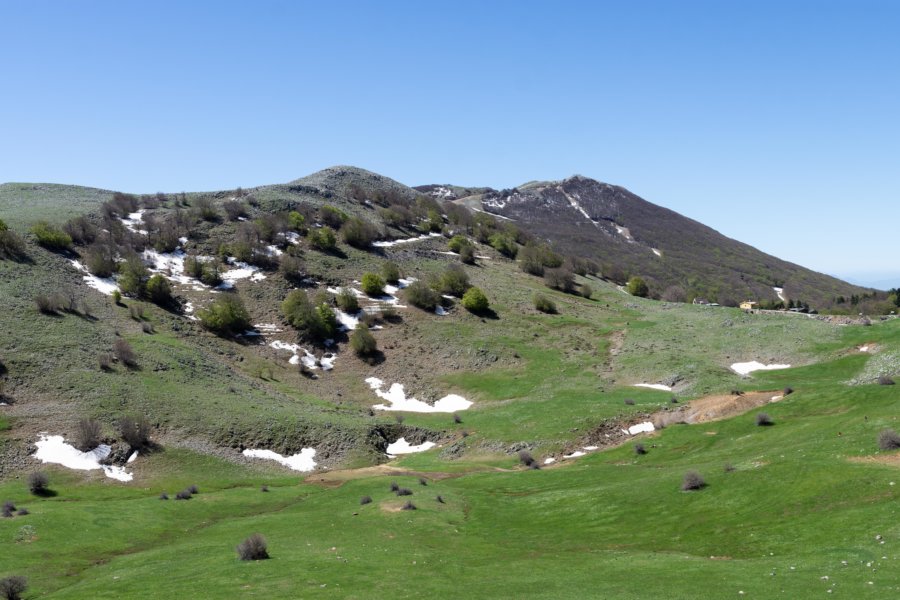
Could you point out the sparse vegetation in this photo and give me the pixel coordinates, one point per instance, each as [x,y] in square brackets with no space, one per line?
[764,420]
[254,547]
[124,353]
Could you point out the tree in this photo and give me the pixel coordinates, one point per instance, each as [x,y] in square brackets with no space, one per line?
[505,244]
[475,301]
[316,321]
[637,287]
[561,279]
[225,316]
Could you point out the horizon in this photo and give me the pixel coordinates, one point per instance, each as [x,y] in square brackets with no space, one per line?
[772,124]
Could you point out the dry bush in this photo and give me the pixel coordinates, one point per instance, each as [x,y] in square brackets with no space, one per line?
[629,402]
[394,486]
[135,431]
[38,482]
[45,304]
[124,353]
[365,500]
[526,458]
[253,548]
[885,380]
[88,434]
[423,481]
[105,361]
[404,492]
[692,481]
[408,506]
[889,440]
[12,587]
[639,449]
[440,499]
[764,420]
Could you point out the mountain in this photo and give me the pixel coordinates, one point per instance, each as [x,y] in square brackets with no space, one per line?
[679,257]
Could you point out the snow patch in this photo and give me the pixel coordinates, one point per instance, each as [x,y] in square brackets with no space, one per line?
[300,354]
[645,427]
[623,231]
[53,449]
[863,348]
[133,222]
[549,461]
[439,310]
[401,446]
[241,271]
[780,293]
[656,252]
[302,461]
[746,368]
[398,400]
[575,454]
[654,386]
[392,243]
[105,285]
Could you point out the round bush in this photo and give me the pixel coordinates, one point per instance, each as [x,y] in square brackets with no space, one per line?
[373,284]
[362,342]
[421,296]
[544,304]
[475,301]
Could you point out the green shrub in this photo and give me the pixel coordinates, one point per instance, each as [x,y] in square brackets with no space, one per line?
[363,342]
[421,296]
[373,284]
[117,297]
[637,287]
[312,320]
[133,276]
[457,242]
[347,301]
[50,236]
[359,233]
[454,281]
[296,221]
[467,255]
[292,268]
[225,316]
[475,301]
[505,244]
[3,225]
[391,273]
[159,291]
[544,304]
[323,239]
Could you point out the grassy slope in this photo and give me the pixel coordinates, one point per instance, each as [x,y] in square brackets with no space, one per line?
[593,528]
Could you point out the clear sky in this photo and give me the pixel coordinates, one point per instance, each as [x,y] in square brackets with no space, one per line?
[777,123]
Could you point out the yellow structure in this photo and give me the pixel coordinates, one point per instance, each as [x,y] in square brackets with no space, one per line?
[749,305]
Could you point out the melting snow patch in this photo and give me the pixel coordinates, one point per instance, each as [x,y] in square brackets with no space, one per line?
[591,448]
[549,461]
[267,327]
[575,454]
[863,348]
[439,310]
[105,285]
[307,359]
[405,241]
[302,461]
[780,292]
[242,271]
[623,231]
[398,400]
[645,427]
[54,449]
[401,446]
[656,252]
[654,386]
[133,457]
[133,222]
[748,367]
[347,320]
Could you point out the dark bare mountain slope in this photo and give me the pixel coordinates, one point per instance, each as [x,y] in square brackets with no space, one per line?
[679,257]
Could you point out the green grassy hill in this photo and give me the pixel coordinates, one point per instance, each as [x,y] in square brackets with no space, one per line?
[800,508]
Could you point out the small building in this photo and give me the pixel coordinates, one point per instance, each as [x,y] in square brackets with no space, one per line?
[749,305]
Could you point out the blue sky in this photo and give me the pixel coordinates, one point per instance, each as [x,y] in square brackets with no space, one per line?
[776,123]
